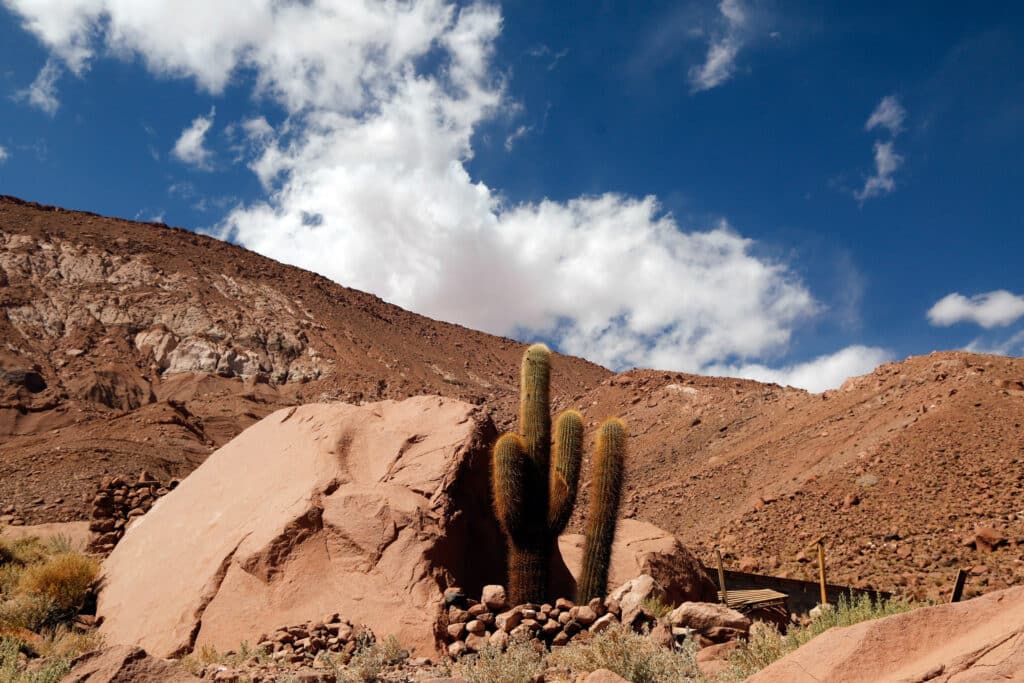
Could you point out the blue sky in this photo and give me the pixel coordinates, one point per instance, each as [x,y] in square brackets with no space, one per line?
[789,192]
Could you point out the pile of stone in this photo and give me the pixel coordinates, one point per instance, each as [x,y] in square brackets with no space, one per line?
[473,624]
[117,503]
[302,644]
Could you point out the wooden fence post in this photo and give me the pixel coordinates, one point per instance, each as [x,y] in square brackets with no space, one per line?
[958,585]
[821,570]
[721,578]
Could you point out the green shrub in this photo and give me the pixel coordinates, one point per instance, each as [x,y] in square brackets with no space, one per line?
[631,655]
[13,670]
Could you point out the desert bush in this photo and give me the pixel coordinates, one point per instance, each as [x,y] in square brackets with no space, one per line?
[520,663]
[42,584]
[767,645]
[32,612]
[369,661]
[13,669]
[631,655]
[25,550]
[64,578]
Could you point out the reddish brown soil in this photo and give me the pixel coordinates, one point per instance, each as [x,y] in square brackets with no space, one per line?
[895,469]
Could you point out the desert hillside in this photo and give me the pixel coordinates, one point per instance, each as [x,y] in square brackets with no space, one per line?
[127,346]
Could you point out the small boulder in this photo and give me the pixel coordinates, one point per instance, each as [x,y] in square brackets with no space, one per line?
[714,620]
[495,598]
[987,538]
[632,595]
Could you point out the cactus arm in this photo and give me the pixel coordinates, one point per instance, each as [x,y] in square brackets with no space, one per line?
[609,468]
[534,399]
[509,484]
[565,470]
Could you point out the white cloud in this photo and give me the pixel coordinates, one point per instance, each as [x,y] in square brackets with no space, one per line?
[4,154]
[190,146]
[42,93]
[887,162]
[889,114]
[257,128]
[366,181]
[817,375]
[720,61]
[1014,345]
[515,136]
[991,309]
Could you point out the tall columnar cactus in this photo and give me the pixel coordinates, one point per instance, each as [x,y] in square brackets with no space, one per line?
[535,488]
[609,466]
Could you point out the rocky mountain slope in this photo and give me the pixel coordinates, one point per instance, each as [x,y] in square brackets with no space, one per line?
[126,346]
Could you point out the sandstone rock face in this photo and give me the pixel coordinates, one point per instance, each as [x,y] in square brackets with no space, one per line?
[640,548]
[366,511]
[125,664]
[975,641]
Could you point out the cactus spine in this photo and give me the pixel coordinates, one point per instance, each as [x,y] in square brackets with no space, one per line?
[535,488]
[609,467]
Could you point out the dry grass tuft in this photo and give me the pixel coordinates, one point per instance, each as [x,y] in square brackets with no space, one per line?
[521,662]
[64,578]
[630,655]
[768,645]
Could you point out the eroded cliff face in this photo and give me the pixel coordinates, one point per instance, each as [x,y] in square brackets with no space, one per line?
[66,298]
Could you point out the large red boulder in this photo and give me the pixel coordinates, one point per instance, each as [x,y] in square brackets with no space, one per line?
[367,511]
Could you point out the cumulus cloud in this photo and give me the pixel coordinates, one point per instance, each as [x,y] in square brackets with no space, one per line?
[817,375]
[366,183]
[190,147]
[991,309]
[889,114]
[42,93]
[723,48]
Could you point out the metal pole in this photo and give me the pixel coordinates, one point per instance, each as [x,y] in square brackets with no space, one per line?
[721,577]
[821,571]
[958,585]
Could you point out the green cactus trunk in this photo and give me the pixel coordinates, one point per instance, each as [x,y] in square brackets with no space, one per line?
[609,467]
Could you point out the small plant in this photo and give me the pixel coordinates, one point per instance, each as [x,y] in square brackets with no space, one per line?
[521,662]
[766,645]
[631,655]
[656,607]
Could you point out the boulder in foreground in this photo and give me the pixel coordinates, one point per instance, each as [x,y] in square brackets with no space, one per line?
[367,511]
[125,664]
[977,641]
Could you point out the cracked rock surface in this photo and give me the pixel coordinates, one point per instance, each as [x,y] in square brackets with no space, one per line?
[365,510]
